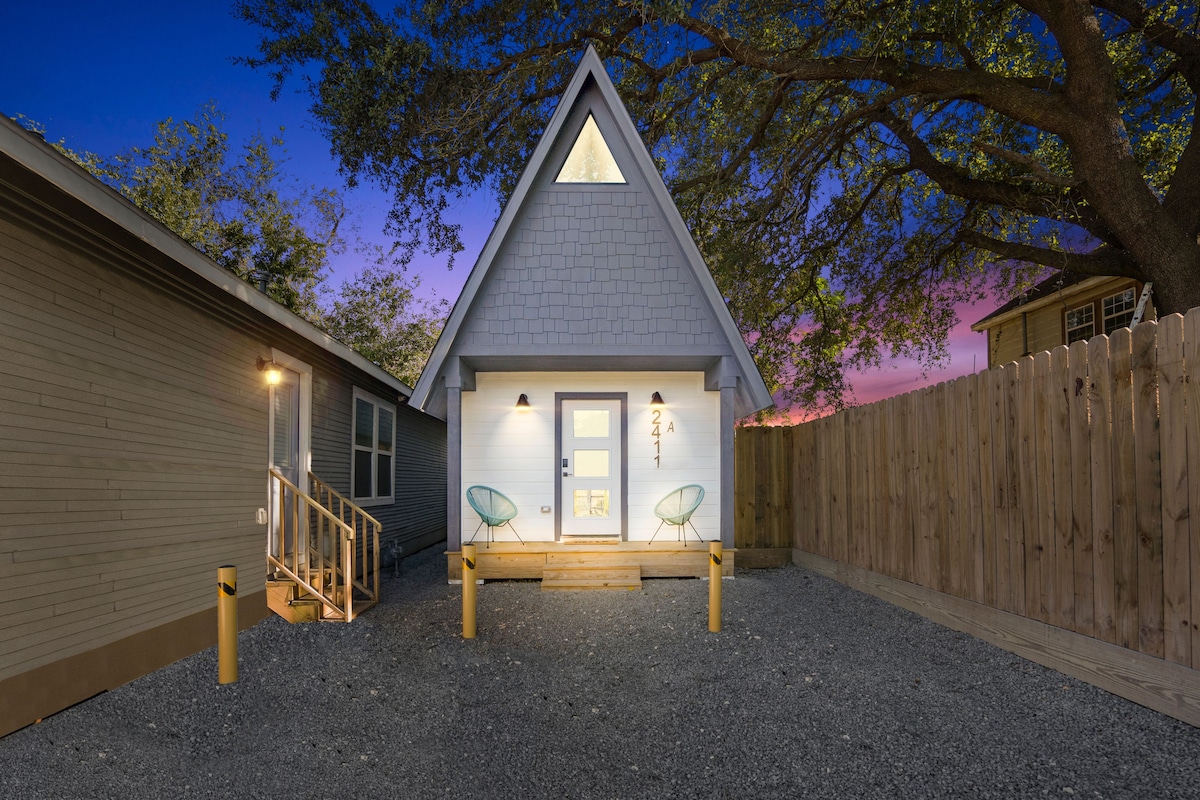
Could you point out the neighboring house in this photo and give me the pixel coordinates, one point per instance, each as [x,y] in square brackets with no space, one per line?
[589,301]
[1063,308]
[137,427]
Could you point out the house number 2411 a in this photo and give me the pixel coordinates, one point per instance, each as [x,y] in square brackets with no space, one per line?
[656,431]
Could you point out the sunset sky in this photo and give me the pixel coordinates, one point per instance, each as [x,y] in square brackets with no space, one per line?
[99,76]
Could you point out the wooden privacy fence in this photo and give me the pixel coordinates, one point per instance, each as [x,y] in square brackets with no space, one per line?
[1056,488]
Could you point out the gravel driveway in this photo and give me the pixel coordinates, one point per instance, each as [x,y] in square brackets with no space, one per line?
[811,690]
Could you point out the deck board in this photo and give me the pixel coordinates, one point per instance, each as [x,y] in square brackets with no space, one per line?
[514,561]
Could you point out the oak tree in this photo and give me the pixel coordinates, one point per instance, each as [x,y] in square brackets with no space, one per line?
[851,169]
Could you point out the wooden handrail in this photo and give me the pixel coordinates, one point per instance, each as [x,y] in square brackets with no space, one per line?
[312,476]
[326,555]
[367,546]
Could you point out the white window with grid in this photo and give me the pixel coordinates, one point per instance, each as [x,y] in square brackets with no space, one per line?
[1118,310]
[1081,323]
[372,465]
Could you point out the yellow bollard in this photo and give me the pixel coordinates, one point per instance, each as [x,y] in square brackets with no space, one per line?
[468,579]
[227,625]
[714,587]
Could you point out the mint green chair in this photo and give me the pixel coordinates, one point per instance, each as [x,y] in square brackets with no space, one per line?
[677,509]
[494,510]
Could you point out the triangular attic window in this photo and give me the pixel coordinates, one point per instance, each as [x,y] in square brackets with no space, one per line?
[590,160]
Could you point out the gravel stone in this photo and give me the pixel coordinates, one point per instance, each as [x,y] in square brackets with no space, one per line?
[811,690]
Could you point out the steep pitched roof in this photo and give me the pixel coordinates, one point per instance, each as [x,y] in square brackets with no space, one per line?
[591,267]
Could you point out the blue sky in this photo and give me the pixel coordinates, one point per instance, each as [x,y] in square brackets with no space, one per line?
[100,75]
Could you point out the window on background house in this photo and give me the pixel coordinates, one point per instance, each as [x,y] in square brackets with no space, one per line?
[1118,310]
[372,469]
[1081,323]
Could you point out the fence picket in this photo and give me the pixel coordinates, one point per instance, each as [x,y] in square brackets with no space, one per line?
[1176,550]
[1062,576]
[1148,485]
[1191,368]
[1081,490]
[1014,483]
[1102,448]
[956,563]
[1029,467]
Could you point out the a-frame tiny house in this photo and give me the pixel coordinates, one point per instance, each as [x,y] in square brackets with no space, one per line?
[590,366]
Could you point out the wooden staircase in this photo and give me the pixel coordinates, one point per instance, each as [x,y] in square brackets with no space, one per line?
[322,554]
[289,601]
[575,577]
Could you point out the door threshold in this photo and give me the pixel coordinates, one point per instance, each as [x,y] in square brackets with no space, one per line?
[588,538]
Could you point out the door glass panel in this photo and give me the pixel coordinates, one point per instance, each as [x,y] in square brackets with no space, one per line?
[591,502]
[591,463]
[285,424]
[364,423]
[590,423]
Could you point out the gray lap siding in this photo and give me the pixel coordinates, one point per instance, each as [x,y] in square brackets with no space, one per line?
[417,517]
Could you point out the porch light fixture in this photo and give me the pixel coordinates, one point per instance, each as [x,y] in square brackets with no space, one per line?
[273,373]
[656,400]
[523,403]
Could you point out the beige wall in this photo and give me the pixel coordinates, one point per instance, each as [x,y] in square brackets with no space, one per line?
[133,446]
[1043,327]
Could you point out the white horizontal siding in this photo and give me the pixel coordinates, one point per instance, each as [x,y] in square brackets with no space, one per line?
[513,451]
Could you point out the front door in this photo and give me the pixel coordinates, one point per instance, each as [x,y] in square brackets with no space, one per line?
[285,453]
[591,458]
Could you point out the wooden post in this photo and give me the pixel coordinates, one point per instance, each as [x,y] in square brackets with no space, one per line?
[468,590]
[714,587]
[227,625]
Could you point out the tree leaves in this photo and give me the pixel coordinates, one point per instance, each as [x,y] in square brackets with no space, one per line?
[851,170]
[236,206]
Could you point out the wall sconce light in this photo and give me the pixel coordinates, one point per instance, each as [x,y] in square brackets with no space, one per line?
[656,400]
[273,372]
[523,403]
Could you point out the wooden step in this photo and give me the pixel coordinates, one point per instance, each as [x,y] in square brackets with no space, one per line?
[608,576]
[589,539]
[283,600]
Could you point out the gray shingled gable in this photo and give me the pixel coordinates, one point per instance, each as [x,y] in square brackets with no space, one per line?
[602,273]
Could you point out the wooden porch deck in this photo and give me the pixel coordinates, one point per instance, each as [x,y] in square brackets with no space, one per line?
[562,565]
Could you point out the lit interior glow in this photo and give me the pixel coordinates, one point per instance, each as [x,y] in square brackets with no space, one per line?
[590,160]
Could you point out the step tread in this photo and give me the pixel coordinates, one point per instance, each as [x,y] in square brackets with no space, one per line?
[605,576]
[629,572]
[586,583]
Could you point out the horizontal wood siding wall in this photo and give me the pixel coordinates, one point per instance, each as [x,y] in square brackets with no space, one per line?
[1064,488]
[133,439]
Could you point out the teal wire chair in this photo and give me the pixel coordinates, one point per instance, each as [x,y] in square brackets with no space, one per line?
[677,509]
[494,510]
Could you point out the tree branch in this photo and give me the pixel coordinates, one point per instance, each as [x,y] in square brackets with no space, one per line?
[1102,261]
[1058,206]
[1013,98]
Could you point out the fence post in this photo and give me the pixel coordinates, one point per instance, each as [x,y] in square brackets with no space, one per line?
[468,590]
[227,625]
[714,587]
